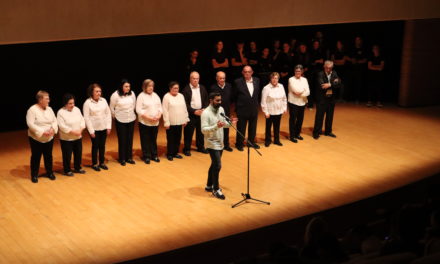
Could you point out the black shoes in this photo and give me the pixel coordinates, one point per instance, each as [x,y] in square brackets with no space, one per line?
[294,140]
[278,143]
[256,146]
[266,144]
[69,173]
[147,161]
[300,137]
[330,135]
[34,179]
[218,194]
[51,176]
[204,151]
[177,156]
[228,148]
[187,153]
[80,171]
[155,159]
[122,163]
[316,137]
[239,148]
[170,158]
[103,166]
[96,168]
[131,161]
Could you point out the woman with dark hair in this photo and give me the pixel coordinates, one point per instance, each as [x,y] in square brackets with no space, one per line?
[42,125]
[149,110]
[376,64]
[273,104]
[71,124]
[122,106]
[98,120]
[219,59]
[175,116]
[298,92]
[340,58]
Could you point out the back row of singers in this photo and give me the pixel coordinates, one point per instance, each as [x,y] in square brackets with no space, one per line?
[179,110]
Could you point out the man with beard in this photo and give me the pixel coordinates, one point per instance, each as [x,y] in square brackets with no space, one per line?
[213,121]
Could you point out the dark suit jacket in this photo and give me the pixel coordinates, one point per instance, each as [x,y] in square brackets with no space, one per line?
[187,93]
[226,94]
[335,81]
[245,104]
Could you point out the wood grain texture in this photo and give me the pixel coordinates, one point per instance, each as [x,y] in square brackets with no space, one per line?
[138,210]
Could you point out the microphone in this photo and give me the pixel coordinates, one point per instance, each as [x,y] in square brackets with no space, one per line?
[225,117]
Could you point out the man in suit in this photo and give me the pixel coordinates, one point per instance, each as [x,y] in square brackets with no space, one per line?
[328,84]
[196,99]
[225,90]
[246,95]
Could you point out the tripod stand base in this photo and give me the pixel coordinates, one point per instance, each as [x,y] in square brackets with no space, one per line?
[247,196]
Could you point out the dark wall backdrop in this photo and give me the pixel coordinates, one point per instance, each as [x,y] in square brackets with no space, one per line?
[70,66]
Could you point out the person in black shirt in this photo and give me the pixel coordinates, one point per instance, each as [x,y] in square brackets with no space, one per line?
[238,59]
[264,66]
[276,49]
[340,58]
[375,77]
[219,59]
[316,63]
[193,63]
[284,64]
[225,90]
[359,67]
[253,55]
[302,57]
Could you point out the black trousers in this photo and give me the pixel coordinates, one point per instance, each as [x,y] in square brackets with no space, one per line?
[69,147]
[148,135]
[98,146]
[194,123]
[214,169]
[274,120]
[375,84]
[174,135]
[325,107]
[125,140]
[243,121]
[296,118]
[38,149]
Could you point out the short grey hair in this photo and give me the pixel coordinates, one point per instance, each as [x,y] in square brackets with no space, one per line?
[328,63]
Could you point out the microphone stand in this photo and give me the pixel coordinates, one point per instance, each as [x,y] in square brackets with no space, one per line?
[247,195]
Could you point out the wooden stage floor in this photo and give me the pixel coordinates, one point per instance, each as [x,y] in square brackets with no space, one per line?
[139,210]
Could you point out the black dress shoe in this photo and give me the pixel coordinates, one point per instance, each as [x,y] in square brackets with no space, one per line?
[278,143]
[69,173]
[239,148]
[266,144]
[103,166]
[122,163]
[131,161]
[80,171]
[330,135]
[177,156]
[228,148]
[51,176]
[96,168]
[316,136]
[34,179]
[204,151]
[256,146]
[155,159]
[170,158]
[300,137]
[218,194]
[294,140]
[187,153]
[147,161]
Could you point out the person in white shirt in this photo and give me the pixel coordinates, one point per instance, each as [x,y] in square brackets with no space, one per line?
[175,116]
[273,104]
[149,111]
[42,125]
[71,124]
[122,106]
[298,92]
[99,123]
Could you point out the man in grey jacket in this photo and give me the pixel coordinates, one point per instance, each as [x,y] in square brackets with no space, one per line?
[213,120]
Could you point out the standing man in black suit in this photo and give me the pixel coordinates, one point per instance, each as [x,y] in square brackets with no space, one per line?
[225,90]
[328,84]
[246,95]
[196,99]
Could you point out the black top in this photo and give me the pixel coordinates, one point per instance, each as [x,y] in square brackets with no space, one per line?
[316,55]
[236,55]
[253,56]
[190,67]
[246,105]
[303,59]
[264,64]
[359,54]
[339,54]
[335,82]
[284,62]
[187,93]
[226,94]
[376,60]
[219,57]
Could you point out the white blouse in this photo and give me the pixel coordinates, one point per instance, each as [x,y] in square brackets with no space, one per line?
[40,120]
[174,110]
[122,107]
[97,115]
[273,99]
[68,121]
[300,86]
[150,105]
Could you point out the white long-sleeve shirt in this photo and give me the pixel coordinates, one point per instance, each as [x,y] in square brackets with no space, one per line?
[300,86]
[150,105]
[68,121]
[174,110]
[40,120]
[213,134]
[122,107]
[97,115]
[273,99]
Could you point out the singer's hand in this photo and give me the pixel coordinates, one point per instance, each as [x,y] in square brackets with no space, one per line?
[220,124]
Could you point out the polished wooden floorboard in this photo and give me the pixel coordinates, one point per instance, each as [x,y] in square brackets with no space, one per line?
[138,210]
